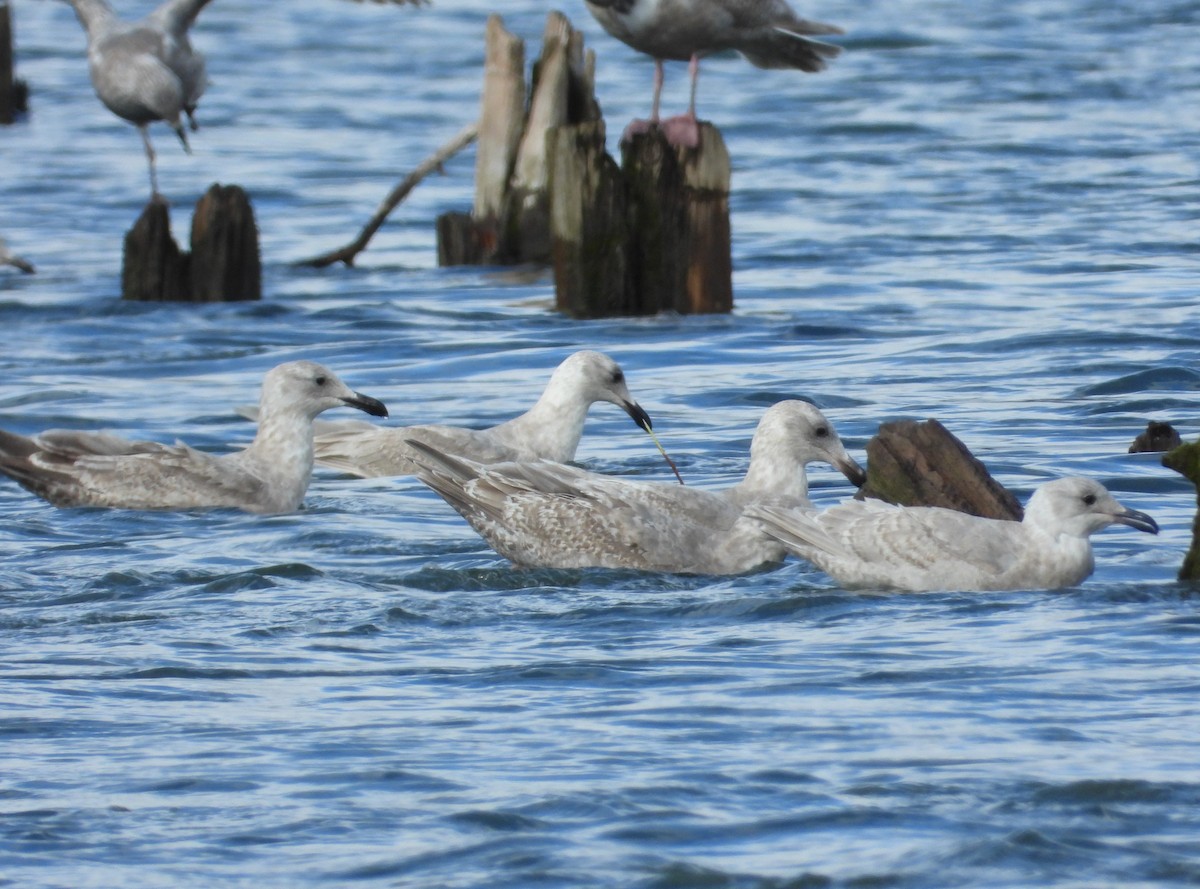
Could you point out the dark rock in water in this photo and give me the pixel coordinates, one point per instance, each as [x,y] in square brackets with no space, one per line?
[1185,460]
[1157,437]
[922,464]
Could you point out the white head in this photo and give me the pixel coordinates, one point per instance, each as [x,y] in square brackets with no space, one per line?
[308,388]
[798,432]
[1078,507]
[593,376]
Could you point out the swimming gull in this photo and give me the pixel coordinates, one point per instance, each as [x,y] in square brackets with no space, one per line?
[550,430]
[872,544]
[552,515]
[148,71]
[767,32]
[71,468]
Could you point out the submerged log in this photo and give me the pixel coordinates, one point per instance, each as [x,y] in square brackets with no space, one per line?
[1185,460]
[14,93]
[922,464]
[224,263]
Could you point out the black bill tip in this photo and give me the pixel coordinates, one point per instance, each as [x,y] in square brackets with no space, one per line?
[639,416]
[367,404]
[1139,520]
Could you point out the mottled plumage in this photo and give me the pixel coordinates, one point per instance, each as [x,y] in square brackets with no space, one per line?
[550,430]
[871,544]
[70,468]
[557,516]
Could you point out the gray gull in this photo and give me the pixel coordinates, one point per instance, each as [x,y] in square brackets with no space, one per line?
[872,544]
[551,515]
[767,32]
[550,430]
[147,71]
[71,468]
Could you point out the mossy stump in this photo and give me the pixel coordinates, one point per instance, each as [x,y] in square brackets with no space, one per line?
[923,464]
[224,263]
[1185,460]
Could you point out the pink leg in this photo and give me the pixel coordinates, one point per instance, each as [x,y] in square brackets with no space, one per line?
[684,130]
[638,127]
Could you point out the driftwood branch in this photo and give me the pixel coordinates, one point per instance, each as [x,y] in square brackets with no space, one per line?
[432,163]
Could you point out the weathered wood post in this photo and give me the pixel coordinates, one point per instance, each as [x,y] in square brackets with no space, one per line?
[224,263]
[679,206]
[922,464]
[589,226]
[13,92]
[1185,460]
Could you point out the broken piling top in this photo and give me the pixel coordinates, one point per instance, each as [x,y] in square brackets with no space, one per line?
[501,118]
[923,464]
[223,265]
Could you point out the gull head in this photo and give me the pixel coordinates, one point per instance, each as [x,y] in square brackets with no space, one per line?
[310,388]
[1079,507]
[800,431]
[596,377]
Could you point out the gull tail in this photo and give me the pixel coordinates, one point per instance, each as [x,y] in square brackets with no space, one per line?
[788,46]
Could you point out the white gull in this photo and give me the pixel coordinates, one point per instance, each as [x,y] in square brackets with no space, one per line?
[872,544]
[72,468]
[550,430]
[550,515]
[767,32]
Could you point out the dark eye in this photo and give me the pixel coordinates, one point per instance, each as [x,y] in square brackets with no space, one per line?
[1089,500]
[821,431]
[321,380]
[618,376]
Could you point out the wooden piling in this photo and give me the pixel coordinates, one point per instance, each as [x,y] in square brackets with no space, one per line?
[647,236]
[923,464]
[13,92]
[1185,460]
[589,226]
[223,265]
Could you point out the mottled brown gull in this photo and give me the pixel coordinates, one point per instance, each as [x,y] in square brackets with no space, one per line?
[550,430]
[551,515]
[70,468]
[767,32]
[871,544]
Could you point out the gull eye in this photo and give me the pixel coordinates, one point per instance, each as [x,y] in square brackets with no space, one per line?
[321,380]
[618,376]
[821,431]
[1089,500]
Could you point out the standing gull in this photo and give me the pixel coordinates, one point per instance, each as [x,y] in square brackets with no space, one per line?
[550,515]
[148,71]
[868,543]
[550,430]
[70,468]
[767,32]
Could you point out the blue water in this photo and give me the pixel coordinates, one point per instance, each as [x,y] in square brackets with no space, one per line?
[984,213]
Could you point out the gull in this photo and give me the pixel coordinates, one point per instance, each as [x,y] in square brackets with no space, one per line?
[872,544]
[550,430]
[147,71]
[72,468]
[551,515]
[767,32]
